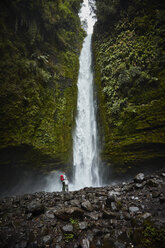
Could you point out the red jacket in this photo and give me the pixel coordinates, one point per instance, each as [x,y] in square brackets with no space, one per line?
[62,178]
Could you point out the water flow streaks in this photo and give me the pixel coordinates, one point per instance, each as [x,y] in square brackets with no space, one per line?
[85,151]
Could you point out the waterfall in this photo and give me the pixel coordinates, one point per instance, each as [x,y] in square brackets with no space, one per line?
[85,147]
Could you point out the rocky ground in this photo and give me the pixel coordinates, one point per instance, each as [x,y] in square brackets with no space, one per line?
[120,216]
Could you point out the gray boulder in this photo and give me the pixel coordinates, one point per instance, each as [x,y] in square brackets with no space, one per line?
[139,178]
[87,206]
[68,228]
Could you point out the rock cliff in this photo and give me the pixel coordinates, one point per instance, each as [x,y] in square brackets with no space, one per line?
[121,216]
[129,65]
[40,44]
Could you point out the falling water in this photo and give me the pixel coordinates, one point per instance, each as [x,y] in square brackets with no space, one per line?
[85,151]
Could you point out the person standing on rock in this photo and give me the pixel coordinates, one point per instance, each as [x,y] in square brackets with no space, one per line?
[64,182]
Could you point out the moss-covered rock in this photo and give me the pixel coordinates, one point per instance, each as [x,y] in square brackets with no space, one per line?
[129,73]
[40,44]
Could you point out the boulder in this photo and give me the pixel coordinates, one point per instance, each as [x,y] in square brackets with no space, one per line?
[92,216]
[49,214]
[113,206]
[139,185]
[47,239]
[110,198]
[68,228]
[156,194]
[133,209]
[67,213]
[87,206]
[75,203]
[139,178]
[83,225]
[152,183]
[146,216]
[35,207]
[110,215]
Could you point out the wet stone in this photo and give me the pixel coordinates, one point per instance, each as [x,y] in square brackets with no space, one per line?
[146,216]
[152,183]
[68,196]
[139,178]
[83,225]
[34,244]
[47,239]
[129,188]
[93,216]
[96,231]
[67,228]
[67,213]
[29,216]
[87,206]
[102,198]
[75,203]
[127,216]
[90,235]
[113,222]
[85,243]
[59,238]
[57,246]
[110,198]
[113,206]
[40,225]
[22,244]
[35,207]
[118,244]
[49,215]
[44,231]
[139,185]
[155,194]
[133,209]
[110,215]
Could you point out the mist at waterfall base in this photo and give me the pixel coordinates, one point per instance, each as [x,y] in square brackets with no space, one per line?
[19,180]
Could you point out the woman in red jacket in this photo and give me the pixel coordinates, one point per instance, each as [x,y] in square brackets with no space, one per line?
[64,181]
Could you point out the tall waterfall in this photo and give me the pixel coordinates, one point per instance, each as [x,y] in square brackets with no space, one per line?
[85,150]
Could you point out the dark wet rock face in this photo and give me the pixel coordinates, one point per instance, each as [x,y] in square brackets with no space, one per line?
[70,212]
[35,207]
[120,216]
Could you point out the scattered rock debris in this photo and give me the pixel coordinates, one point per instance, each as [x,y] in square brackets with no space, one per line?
[111,216]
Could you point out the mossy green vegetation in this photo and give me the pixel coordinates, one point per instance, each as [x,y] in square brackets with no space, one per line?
[149,236]
[40,43]
[129,58]
[153,237]
[69,237]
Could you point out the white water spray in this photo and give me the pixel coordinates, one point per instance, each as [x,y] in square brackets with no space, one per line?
[85,151]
